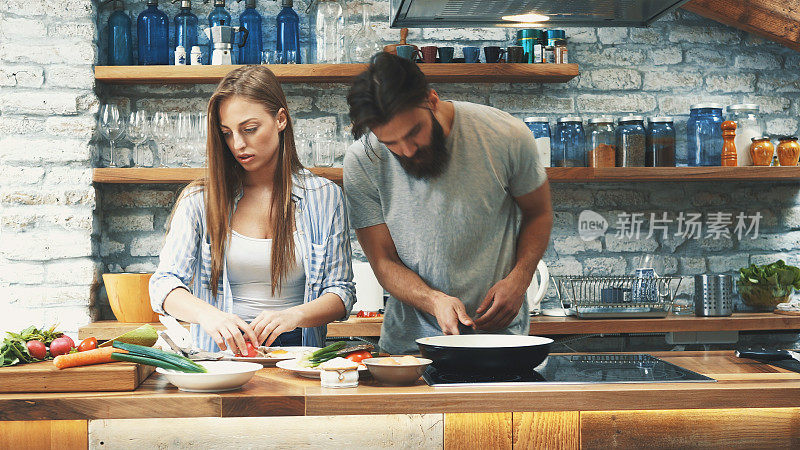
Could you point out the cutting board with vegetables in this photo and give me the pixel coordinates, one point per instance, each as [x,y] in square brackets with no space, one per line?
[45,377]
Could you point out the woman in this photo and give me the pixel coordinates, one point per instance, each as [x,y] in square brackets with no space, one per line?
[263,242]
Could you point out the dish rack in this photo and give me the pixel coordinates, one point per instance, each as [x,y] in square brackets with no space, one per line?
[621,296]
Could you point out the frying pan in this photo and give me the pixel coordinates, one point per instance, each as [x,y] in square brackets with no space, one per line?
[496,353]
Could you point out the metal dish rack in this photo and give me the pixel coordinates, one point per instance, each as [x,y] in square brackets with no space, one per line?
[622,296]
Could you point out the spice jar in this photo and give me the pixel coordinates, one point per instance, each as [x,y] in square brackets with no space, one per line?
[569,143]
[788,150]
[601,142]
[540,127]
[560,49]
[704,135]
[761,151]
[660,143]
[631,140]
[748,126]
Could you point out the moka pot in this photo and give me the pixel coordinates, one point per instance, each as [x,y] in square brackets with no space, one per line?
[223,37]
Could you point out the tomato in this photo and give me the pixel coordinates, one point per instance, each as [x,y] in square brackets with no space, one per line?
[37,349]
[363,313]
[359,356]
[89,343]
[251,350]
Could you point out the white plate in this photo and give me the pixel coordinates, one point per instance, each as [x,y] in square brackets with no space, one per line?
[293,353]
[221,376]
[310,372]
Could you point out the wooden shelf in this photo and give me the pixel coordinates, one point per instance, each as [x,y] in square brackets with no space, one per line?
[555,174]
[341,73]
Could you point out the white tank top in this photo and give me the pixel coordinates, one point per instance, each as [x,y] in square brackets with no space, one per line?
[248,263]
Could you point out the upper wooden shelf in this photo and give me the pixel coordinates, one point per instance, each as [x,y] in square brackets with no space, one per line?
[555,174]
[341,73]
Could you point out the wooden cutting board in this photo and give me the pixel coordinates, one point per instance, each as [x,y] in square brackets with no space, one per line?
[44,377]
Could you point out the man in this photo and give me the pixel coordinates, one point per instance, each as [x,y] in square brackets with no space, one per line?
[450,204]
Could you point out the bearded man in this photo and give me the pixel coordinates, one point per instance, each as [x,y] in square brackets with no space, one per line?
[450,203]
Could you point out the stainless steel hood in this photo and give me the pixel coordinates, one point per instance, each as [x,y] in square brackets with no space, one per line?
[489,13]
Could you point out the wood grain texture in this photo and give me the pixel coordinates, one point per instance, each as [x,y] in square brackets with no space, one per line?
[478,431]
[340,73]
[549,430]
[42,434]
[178,175]
[356,432]
[773,19]
[45,377]
[772,428]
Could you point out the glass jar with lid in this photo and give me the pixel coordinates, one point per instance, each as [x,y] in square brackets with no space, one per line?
[748,126]
[660,143]
[601,142]
[631,141]
[704,135]
[761,151]
[540,127]
[569,143]
[788,150]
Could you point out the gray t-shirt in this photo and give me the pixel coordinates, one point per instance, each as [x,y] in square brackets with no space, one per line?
[458,231]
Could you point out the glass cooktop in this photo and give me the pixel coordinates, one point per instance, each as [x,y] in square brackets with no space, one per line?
[577,369]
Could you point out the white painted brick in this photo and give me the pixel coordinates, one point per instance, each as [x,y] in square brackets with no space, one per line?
[671,81]
[48,296]
[731,83]
[110,247]
[771,242]
[21,273]
[26,125]
[24,149]
[59,53]
[22,76]
[88,103]
[605,266]
[611,79]
[782,126]
[141,268]
[130,222]
[570,245]
[63,176]
[84,31]
[39,103]
[674,105]
[139,199]
[80,77]
[703,35]
[515,103]
[45,245]
[785,82]
[15,175]
[172,104]
[465,34]
[705,57]
[71,272]
[23,218]
[147,245]
[693,265]
[70,317]
[666,56]
[47,197]
[564,266]
[771,104]
[648,35]
[634,244]
[757,60]
[22,29]
[582,35]
[613,35]
[727,263]
[612,56]
[641,103]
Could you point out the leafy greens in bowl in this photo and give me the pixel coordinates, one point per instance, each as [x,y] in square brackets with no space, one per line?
[765,286]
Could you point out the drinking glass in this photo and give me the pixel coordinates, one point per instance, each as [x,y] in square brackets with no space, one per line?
[324,148]
[184,131]
[112,125]
[291,56]
[163,129]
[199,135]
[138,133]
[269,57]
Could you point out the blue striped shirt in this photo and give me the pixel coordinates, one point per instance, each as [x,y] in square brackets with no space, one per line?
[324,243]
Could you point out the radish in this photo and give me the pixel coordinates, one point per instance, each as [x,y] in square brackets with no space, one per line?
[61,346]
[37,349]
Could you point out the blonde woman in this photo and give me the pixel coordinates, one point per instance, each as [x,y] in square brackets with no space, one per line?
[258,250]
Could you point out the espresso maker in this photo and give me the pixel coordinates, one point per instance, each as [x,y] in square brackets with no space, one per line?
[222,36]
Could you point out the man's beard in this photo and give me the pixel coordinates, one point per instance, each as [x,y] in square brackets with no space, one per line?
[429,161]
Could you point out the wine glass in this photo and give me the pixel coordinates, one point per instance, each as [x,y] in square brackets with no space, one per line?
[200,134]
[184,131]
[138,133]
[324,146]
[112,125]
[163,129]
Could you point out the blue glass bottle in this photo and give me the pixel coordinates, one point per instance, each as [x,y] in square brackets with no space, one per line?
[569,143]
[153,33]
[186,26]
[288,36]
[120,50]
[251,20]
[704,135]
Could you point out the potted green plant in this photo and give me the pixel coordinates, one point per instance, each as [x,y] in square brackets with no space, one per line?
[763,287]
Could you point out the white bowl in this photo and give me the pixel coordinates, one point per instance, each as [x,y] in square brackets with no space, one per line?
[396,375]
[221,376]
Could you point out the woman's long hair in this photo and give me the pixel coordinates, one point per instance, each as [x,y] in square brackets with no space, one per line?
[224,177]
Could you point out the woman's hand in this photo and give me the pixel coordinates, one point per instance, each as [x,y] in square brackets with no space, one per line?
[226,329]
[270,324]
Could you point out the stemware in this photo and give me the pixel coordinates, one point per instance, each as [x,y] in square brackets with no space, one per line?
[163,130]
[184,131]
[138,134]
[112,125]
[324,148]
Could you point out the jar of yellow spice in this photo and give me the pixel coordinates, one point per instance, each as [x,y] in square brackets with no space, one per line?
[788,150]
[761,151]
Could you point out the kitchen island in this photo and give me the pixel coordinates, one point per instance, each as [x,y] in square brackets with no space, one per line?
[750,405]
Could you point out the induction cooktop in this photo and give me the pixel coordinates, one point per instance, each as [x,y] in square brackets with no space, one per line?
[576,369]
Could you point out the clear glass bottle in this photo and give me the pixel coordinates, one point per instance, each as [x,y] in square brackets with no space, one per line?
[569,143]
[704,135]
[152,29]
[660,143]
[330,29]
[601,142]
[540,127]
[288,32]
[748,126]
[364,42]
[631,141]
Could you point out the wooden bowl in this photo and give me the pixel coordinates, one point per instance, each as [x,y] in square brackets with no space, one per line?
[129,296]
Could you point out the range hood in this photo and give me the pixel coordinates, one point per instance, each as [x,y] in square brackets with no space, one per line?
[490,13]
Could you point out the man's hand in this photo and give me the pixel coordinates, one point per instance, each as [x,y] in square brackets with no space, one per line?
[449,312]
[501,304]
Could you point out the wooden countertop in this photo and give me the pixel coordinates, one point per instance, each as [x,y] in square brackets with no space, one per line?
[741,383]
[540,325]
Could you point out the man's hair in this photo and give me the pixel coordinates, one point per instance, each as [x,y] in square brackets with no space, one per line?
[390,85]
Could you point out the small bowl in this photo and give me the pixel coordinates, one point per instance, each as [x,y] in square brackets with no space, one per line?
[392,375]
[221,376]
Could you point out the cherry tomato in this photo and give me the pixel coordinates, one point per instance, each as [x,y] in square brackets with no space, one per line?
[359,356]
[89,343]
[251,350]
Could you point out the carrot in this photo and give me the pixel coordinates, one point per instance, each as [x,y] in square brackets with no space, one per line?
[96,356]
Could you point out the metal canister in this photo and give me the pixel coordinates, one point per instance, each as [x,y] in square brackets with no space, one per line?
[713,295]
[552,35]
[532,42]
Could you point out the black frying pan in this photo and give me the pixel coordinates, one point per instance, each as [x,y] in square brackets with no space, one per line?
[494,353]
